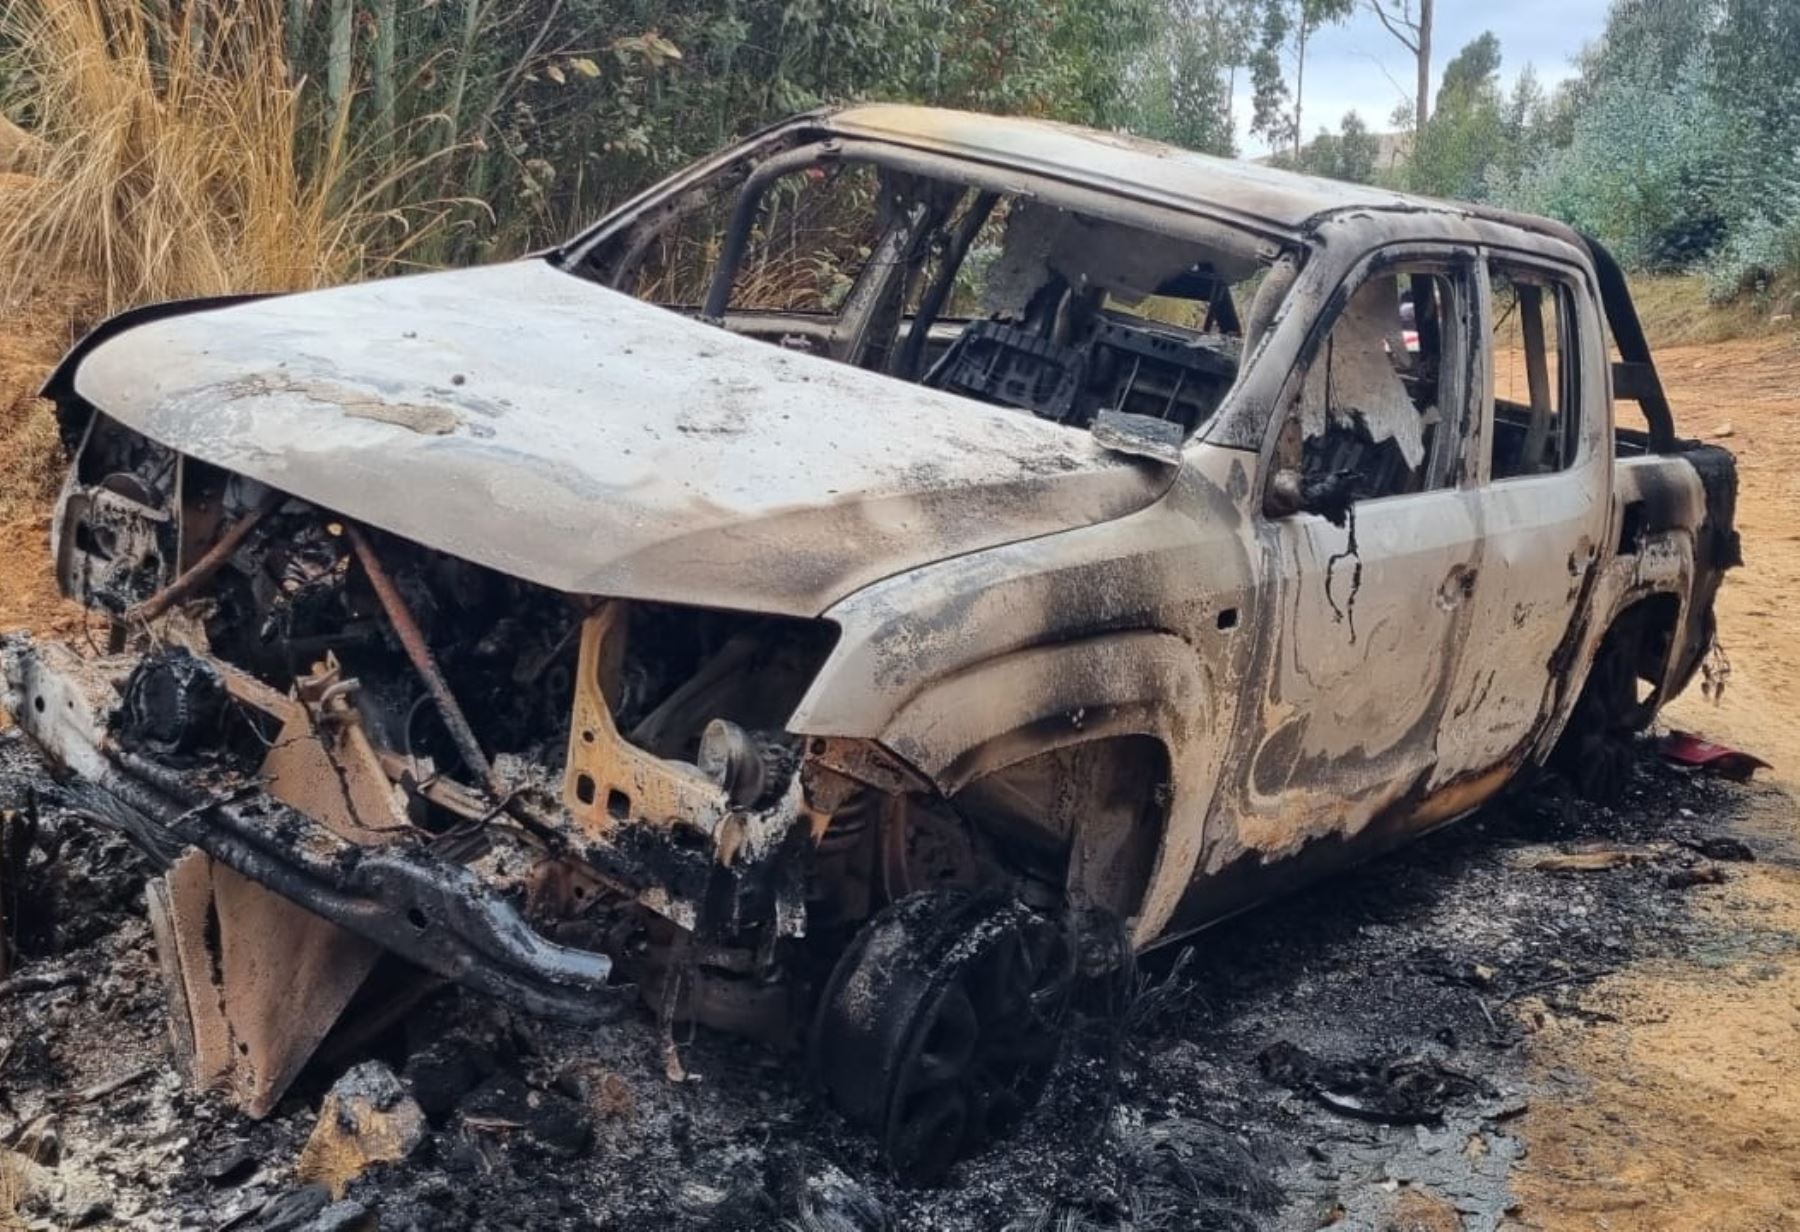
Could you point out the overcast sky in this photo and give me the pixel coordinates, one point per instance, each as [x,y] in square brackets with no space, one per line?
[1360,65]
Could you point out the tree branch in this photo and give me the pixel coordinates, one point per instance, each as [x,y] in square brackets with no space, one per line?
[1397,26]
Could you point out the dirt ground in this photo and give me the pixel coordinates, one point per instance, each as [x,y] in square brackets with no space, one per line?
[1751,394]
[1689,1111]
[1617,1049]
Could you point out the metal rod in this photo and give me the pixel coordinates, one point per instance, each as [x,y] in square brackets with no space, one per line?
[214,559]
[969,226]
[407,630]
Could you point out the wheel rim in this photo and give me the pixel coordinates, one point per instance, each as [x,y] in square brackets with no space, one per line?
[925,848]
[942,1023]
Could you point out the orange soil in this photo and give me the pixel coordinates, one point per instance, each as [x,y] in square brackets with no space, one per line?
[31,340]
[1688,1111]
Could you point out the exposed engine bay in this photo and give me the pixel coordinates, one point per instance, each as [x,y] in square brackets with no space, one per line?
[568,802]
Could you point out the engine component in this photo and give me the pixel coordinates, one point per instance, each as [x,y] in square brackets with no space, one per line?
[209,564]
[752,767]
[173,702]
[112,545]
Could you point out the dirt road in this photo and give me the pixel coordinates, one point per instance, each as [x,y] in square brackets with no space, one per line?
[1688,1111]
[1748,395]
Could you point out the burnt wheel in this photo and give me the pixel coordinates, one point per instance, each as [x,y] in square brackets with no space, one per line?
[1599,746]
[940,1023]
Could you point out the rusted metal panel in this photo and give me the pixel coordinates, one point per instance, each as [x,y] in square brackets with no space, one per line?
[258,980]
[611,783]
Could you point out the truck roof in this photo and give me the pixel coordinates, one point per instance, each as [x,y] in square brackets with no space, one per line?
[1284,200]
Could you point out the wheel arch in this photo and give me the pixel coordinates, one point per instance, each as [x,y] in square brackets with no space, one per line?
[1657,613]
[1115,691]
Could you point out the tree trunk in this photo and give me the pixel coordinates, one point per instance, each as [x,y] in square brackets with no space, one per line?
[385,87]
[1231,145]
[1300,85]
[1422,105]
[296,38]
[337,62]
[473,15]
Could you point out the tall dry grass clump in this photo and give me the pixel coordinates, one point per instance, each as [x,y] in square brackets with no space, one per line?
[175,159]
[12,1193]
[162,151]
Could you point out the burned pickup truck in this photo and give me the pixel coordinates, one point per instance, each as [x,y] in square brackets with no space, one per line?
[855,595]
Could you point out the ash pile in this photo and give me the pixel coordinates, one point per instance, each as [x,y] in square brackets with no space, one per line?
[1332,1057]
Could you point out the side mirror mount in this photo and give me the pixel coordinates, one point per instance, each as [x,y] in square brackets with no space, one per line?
[1287,493]
[1330,497]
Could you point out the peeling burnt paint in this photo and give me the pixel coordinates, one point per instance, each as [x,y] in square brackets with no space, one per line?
[586,482]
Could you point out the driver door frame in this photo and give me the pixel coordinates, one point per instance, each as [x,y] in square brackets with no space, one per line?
[1352,701]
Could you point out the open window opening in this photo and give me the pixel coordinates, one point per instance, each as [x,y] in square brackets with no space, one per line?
[1535,394]
[1368,418]
[1063,308]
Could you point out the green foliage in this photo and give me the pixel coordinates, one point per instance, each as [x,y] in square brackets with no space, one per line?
[1678,144]
[1183,93]
[1643,170]
[1473,71]
[1348,154]
[1285,28]
[550,111]
[1466,133]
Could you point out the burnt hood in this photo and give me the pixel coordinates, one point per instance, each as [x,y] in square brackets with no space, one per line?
[539,424]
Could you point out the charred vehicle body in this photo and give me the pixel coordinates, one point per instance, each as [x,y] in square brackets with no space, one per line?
[855,595]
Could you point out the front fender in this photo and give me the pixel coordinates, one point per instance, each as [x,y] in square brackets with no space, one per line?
[995,714]
[1000,712]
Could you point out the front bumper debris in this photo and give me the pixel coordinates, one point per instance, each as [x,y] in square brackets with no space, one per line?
[421,903]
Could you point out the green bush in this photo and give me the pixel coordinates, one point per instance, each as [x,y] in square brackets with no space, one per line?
[1679,144]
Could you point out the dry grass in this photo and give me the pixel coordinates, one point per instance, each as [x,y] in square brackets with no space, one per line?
[12,1192]
[1676,311]
[162,157]
[176,160]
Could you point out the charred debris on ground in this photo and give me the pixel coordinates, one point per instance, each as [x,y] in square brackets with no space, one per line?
[1308,1061]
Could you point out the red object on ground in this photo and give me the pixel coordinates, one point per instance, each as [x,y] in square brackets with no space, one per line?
[1687,749]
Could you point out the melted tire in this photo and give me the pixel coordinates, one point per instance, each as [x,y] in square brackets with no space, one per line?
[940,1024]
[1599,747]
